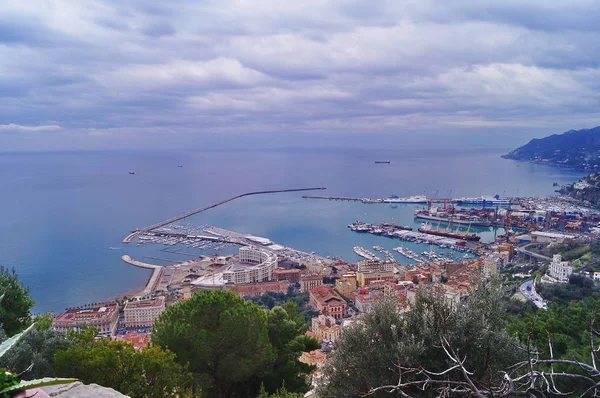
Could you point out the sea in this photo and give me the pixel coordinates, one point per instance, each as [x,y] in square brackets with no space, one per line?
[64,214]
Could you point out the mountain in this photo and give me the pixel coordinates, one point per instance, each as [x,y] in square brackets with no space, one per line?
[579,149]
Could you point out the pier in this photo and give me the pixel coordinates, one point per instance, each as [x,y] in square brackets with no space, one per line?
[137,232]
[154,278]
[375,200]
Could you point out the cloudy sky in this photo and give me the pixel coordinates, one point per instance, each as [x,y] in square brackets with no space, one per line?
[120,74]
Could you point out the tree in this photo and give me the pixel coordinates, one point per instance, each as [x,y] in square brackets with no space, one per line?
[280,393]
[286,334]
[15,308]
[415,353]
[38,348]
[223,338]
[149,373]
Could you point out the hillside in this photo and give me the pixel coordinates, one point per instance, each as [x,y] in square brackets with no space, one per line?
[586,190]
[579,149]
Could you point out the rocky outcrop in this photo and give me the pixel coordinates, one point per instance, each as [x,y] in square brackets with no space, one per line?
[80,390]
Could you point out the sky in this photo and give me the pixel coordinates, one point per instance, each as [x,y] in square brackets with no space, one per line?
[191,73]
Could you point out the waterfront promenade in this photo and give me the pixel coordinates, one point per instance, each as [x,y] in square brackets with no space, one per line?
[137,232]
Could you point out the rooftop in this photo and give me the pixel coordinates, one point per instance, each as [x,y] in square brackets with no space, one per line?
[149,303]
[86,314]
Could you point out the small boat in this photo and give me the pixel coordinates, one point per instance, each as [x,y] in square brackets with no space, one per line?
[179,165]
[132,172]
[383,161]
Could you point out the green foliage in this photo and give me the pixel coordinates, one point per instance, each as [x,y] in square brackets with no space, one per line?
[38,348]
[271,299]
[280,393]
[369,353]
[578,288]
[15,306]
[286,334]
[223,338]
[9,343]
[575,253]
[151,373]
[7,380]
[565,327]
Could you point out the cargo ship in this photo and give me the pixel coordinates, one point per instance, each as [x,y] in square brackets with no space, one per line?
[383,161]
[359,227]
[451,218]
[418,199]
[427,229]
[483,201]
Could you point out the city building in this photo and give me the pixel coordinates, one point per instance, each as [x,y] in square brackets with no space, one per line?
[365,298]
[560,270]
[138,340]
[324,327]
[309,282]
[292,275]
[257,289]
[103,317]
[327,301]
[142,313]
[255,265]
[507,247]
[365,278]
[316,358]
[376,266]
[494,262]
[346,284]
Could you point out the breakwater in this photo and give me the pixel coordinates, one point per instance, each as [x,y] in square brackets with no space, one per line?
[137,232]
[156,271]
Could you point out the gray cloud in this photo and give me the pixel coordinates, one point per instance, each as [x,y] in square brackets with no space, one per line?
[114,73]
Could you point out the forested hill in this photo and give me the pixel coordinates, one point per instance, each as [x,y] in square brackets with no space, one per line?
[579,149]
[586,190]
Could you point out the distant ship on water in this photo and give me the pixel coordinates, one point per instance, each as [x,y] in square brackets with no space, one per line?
[383,161]
[132,172]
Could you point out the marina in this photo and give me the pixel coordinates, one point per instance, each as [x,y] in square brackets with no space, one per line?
[418,237]
[384,251]
[409,254]
[361,251]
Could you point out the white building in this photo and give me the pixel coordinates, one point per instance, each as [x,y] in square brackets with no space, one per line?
[142,313]
[560,270]
[493,262]
[257,265]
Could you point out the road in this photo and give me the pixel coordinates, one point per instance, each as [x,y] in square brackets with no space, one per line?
[530,253]
[532,295]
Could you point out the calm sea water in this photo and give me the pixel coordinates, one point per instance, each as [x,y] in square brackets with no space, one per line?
[63,215]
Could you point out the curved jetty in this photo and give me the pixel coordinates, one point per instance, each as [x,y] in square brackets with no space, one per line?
[137,232]
[157,270]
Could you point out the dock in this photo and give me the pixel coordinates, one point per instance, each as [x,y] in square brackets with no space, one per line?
[371,200]
[137,232]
